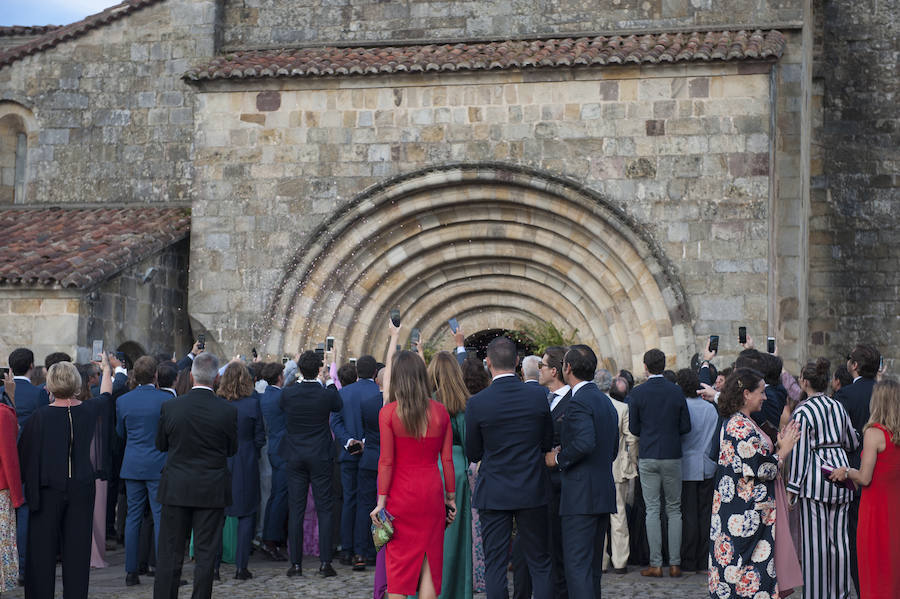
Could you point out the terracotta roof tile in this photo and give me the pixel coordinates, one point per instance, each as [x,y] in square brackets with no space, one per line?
[58,35]
[79,247]
[17,30]
[587,51]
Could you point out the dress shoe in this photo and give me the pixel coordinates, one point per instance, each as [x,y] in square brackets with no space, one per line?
[21,580]
[294,571]
[270,551]
[675,571]
[621,570]
[359,563]
[243,574]
[131,579]
[654,571]
[216,576]
[326,571]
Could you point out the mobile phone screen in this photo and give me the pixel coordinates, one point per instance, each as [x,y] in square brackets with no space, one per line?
[329,343]
[742,335]
[97,350]
[201,341]
[395,317]
[454,325]
[713,343]
[770,345]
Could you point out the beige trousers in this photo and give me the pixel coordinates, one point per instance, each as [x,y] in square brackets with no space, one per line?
[618,529]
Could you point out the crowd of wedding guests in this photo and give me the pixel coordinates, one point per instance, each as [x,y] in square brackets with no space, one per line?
[545,465]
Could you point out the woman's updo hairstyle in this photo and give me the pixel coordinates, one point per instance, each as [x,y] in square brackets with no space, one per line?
[817,374]
[731,400]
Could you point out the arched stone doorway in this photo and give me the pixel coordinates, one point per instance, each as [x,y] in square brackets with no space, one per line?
[491,245]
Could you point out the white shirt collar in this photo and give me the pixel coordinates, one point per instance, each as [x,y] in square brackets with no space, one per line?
[533,381]
[19,377]
[169,389]
[857,378]
[500,376]
[579,386]
[558,395]
[654,376]
[202,387]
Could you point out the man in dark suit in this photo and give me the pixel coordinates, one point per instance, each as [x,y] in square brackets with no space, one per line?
[589,442]
[277,504]
[658,415]
[348,430]
[550,376]
[863,364]
[199,432]
[308,451]
[367,493]
[508,429]
[137,420]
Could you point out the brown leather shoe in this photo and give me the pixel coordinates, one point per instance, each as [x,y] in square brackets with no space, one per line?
[654,571]
[675,571]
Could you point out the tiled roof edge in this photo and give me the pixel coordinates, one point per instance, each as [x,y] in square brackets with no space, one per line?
[14,30]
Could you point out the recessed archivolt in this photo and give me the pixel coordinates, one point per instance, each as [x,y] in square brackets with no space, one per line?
[467,242]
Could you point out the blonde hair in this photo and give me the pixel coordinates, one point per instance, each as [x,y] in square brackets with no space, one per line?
[885,407]
[409,388]
[236,382]
[63,380]
[447,383]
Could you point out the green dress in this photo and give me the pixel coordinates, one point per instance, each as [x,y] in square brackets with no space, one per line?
[457,579]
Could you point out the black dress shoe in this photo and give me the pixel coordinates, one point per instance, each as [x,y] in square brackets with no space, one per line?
[359,563]
[270,551]
[131,579]
[621,570]
[294,570]
[21,580]
[243,574]
[326,571]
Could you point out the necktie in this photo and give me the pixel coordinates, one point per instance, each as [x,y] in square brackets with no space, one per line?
[550,396]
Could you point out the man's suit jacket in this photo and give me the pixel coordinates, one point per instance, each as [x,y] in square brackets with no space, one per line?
[625,464]
[540,386]
[306,407]
[855,398]
[658,415]
[508,429]
[773,405]
[199,432]
[558,415]
[270,405]
[589,443]
[137,420]
[370,408]
[696,464]
[28,399]
[347,424]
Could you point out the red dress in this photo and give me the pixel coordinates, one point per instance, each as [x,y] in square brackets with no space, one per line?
[408,474]
[878,532]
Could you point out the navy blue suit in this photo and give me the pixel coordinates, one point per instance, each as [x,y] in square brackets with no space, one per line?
[589,442]
[277,504]
[658,415]
[347,424]
[508,429]
[367,492]
[137,418]
[773,405]
[28,400]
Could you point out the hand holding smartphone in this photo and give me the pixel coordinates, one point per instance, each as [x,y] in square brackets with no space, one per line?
[395,317]
[742,335]
[713,343]
[770,345]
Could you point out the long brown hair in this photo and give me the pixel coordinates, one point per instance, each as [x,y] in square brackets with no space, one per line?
[236,383]
[409,388]
[446,380]
[885,406]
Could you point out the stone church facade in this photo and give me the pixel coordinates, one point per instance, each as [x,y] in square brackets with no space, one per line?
[646,173]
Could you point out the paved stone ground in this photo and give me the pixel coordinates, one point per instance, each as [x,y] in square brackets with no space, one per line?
[269,581]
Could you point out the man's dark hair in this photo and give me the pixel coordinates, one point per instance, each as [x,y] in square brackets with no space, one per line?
[162,356]
[271,371]
[144,370]
[867,359]
[55,358]
[843,376]
[655,361]
[772,366]
[669,375]
[502,353]
[619,388]
[689,382]
[555,356]
[583,362]
[348,373]
[20,361]
[309,364]
[378,367]
[750,358]
[166,373]
[366,367]
[629,379]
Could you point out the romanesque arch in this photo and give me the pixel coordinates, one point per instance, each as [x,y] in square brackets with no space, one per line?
[492,245]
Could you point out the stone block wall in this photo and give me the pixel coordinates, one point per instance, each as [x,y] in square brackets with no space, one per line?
[153,314]
[854,227]
[682,150]
[261,23]
[114,118]
[43,320]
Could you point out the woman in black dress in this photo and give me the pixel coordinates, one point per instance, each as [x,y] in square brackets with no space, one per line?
[55,452]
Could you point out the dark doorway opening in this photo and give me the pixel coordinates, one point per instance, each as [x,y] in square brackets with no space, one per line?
[478,342]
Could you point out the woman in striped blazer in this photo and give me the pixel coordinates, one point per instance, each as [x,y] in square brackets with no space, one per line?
[826,435]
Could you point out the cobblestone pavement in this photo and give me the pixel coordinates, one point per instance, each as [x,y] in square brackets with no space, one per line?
[269,580]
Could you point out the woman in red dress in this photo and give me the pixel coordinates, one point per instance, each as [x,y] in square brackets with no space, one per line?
[878,532]
[414,431]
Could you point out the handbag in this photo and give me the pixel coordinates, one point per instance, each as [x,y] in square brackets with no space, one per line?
[384,530]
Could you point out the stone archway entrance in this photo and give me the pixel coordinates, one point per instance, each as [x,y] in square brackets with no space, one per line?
[490,245]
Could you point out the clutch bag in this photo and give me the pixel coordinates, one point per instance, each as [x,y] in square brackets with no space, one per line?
[384,530]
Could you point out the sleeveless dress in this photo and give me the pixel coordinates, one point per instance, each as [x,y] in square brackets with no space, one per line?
[408,474]
[878,532]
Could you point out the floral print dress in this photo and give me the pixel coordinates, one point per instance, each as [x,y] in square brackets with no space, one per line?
[742,529]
